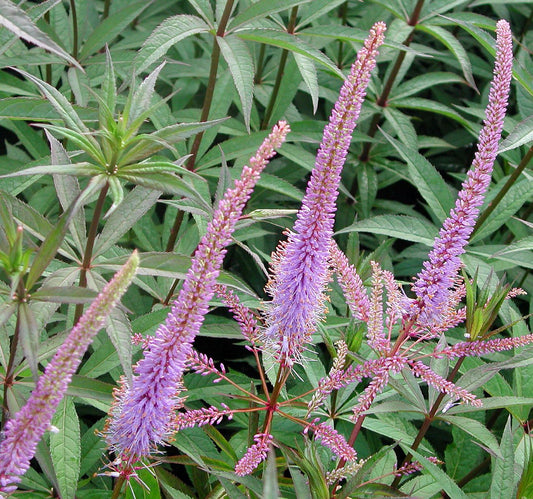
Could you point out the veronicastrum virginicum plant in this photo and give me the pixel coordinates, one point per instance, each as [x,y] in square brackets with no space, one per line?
[276,83]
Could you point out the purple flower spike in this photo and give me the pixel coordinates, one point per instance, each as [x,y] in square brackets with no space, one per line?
[300,267]
[143,415]
[23,432]
[433,285]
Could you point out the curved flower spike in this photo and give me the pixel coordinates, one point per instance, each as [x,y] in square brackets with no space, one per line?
[143,414]
[300,267]
[23,432]
[433,285]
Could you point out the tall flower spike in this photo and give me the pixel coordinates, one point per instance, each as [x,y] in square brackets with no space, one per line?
[23,432]
[300,270]
[434,281]
[143,414]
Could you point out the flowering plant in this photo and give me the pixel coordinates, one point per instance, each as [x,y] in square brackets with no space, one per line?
[398,348]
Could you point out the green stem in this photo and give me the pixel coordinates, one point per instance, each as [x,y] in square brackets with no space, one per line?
[428,421]
[208,99]
[87,256]
[119,483]
[343,11]
[10,370]
[74,29]
[279,76]
[260,65]
[504,190]
[107,4]
[383,98]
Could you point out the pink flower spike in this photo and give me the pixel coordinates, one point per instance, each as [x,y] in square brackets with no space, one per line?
[300,270]
[437,277]
[25,429]
[143,414]
[255,455]
[333,440]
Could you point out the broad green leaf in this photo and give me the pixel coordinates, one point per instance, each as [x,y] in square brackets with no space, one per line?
[36,109]
[168,33]
[170,265]
[203,7]
[431,106]
[270,477]
[367,188]
[93,446]
[518,194]
[60,104]
[316,9]
[419,83]
[139,102]
[118,329]
[426,179]
[521,134]
[29,337]
[478,430]
[503,467]
[65,447]
[403,127]
[241,66]
[55,237]
[58,294]
[149,489]
[308,71]
[454,46]
[289,42]
[83,168]
[133,207]
[90,388]
[262,9]
[447,484]
[111,27]
[17,21]
[401,226]
[144,145]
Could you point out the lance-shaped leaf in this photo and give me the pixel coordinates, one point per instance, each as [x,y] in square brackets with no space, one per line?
[16,20]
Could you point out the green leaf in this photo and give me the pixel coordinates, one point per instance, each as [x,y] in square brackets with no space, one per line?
[431,106]
[35,109]
[289,42]
[518,194]
[144,145]
[55,237]
[111,27]
[445,482]
[58,294]
[241,66]
[262,9]
[403,127]
[135,205]
[65,448]
[60,104]
[503,473]
[367,187]
[419,83]
[150,489]
[454,46]
[17,21]
[83,168]
[168,33]
[426,179]
[90,388]
[29,337]
[309,74]
[118,329]
[478,430]
[270,478]
[401,226]
[521,134]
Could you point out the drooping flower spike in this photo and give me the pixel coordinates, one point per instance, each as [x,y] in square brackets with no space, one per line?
[143,414]
[24,431]
[433,285]
[300,269]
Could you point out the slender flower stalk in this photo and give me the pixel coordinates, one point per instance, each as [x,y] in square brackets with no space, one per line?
[23,432]
[301,267]
[433,285]
[143,414]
